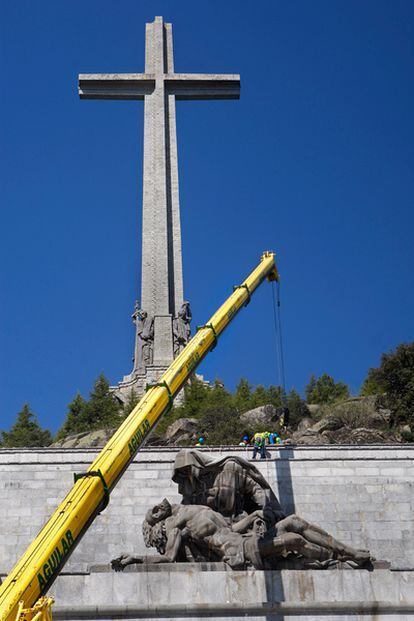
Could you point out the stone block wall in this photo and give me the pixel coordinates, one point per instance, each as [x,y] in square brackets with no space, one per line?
[177,593]
[362,495]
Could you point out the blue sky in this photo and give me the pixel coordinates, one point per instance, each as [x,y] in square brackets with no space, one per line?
[315,162]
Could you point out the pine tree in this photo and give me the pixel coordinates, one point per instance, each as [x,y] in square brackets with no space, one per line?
[130,403]
[195,396]
[309,389]
[221,425]
[275,396]
[371,385]
[325,390]
[76,420]
[243,396]
[297,408]
[220,420]
[26,431]
[218,397]
[260,396]
[102,411]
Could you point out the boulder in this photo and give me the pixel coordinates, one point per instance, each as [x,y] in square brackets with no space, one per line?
[87,439]
[406,433]
[330,423]
[308,437]
[183,429]
[305,423]
[261,417]
[313,408]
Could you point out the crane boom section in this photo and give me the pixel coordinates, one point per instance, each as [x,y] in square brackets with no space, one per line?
[46,555]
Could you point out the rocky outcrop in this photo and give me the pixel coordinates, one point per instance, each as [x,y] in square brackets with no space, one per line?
[359,420]
[360,435]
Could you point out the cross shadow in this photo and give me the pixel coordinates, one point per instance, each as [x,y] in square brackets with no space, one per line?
[274,593]
[273,579]
[284,479]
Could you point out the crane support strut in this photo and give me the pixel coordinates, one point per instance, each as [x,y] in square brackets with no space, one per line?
[41,563]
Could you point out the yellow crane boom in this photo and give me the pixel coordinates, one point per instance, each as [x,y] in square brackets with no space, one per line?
[46,555]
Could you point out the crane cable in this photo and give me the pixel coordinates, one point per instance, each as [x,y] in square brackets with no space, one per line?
[278,339]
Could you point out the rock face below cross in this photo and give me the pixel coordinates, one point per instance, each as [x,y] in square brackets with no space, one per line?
[162,319]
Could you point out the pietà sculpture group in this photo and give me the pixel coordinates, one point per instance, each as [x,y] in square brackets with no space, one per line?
[230,514]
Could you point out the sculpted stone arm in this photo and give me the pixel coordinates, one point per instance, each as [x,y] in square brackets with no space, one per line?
[119,563]
[243,525]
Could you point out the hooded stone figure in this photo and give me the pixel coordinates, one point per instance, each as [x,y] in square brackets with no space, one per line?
[230,485]
[181,328]
[144,324]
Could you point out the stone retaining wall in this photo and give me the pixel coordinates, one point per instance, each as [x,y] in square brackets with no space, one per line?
[186,592]
[362,495]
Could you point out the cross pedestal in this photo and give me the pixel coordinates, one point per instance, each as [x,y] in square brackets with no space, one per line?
[162,275]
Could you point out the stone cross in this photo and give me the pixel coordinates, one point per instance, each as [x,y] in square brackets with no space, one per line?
[160,87]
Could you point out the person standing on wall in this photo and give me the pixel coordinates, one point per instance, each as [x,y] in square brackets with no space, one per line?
[259,444]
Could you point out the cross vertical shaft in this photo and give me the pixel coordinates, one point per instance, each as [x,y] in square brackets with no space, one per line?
[162,280]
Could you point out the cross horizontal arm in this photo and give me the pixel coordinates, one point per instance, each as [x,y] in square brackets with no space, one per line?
[203,85]
[137,85]
[115,85]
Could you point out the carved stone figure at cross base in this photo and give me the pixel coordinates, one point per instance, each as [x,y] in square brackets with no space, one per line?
[144,325]
[230,514]
[181,328]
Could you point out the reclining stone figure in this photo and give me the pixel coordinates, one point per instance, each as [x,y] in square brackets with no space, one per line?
[194,533]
